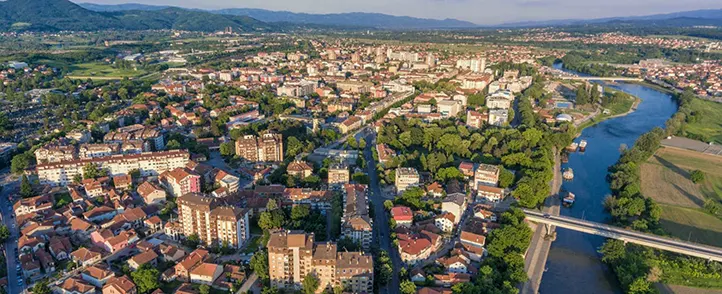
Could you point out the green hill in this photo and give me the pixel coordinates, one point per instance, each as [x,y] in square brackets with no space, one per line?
[57,15]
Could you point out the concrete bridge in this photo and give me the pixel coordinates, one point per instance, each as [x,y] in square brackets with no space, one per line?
[649,240]
[611,79]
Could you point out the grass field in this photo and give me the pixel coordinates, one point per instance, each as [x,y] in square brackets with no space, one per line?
[691,224]
[709,128]
[665,178]
[102,71]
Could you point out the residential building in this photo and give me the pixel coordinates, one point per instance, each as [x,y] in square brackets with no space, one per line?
[180,181]
[120,285]
[152,138]
[356,223]
[338,174]
[489,194]
[473,244]
[292,255]
[402,215]
[454,204]
[406,177]
[149,164]
[498,117]
[445,222]
[475,119]
[269,147]
[486,175]
[145,257]
[75,286]
[85,257]
[151,193]
[206,273]
[449,108]
[213,223]
[299,169]
[97,275]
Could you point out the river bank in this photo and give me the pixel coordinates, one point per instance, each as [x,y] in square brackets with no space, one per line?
[573,251]
[601,118]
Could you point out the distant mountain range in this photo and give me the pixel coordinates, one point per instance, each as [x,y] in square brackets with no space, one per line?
[55,15]
[353,19]
[711,17]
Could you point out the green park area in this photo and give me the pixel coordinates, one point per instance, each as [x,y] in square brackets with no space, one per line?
[102,71]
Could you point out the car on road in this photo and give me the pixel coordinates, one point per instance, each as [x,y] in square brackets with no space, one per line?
[546,215]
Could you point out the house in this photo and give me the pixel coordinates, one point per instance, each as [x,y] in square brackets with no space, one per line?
[97,275]
[299,169]
[402,215]
[482,213]
[146,257]
[151,193]
[171,253]
[100,213]
[454,204]
[27,244]
[445,222]
[428,290]
[154,224]
[458,264]
[120,285]
[206,273]
[31,267]
[75,286]
[467,169]
[489,194]
[190,262]
[450,279]
[60,247]
[473,244]
[85,257]
[33,204]
[435,189]
[122,182]
[227,181]
[415,247]
[418,275]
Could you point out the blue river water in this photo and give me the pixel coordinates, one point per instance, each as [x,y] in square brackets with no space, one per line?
[574,265]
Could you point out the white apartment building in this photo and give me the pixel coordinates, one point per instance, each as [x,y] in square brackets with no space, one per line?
[148,163]
[406,177]
[449,108]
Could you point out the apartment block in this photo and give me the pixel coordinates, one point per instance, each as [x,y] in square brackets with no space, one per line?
[212,222]
[338,174]
[406,177]
[292,255]
[356,223]
[267,147]
[152,138]
[486,175]
[148,163]
[180,181]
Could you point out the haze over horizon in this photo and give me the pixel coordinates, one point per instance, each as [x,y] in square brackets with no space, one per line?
[484,12]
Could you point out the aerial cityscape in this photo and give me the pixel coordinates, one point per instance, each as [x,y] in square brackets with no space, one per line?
[198,148]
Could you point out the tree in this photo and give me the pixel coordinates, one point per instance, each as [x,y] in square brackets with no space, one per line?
[173,144]
[134,174]
[92,171]
[193,241]
[26,189]
[41,288]
[204,289]
[299,212]
[20,162]
[146,278]
[310,284]
[259,264]
[227,149]
[407,287]
[4,233]
[696,176]
[506,178]
[388,204]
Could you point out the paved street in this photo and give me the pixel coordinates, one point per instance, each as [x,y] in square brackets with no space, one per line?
[9,185]
[381,223]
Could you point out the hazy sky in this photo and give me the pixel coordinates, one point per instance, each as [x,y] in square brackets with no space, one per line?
[477,11]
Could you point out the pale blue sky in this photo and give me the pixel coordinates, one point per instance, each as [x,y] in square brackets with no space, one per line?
[477,11]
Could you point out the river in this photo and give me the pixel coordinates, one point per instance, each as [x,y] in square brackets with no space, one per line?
[574,264]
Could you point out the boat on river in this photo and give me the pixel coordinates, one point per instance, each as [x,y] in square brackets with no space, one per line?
[573,147]
[583,145]
[569,199]
[565,157]
[568,174]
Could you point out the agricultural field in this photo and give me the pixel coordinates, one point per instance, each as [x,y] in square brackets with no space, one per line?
[708,127]
[101,70]
[666,179]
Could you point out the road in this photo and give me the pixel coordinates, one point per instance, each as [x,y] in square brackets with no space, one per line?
[599,229]
[9,184]
[382,232]
[249,285]
[538,251]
